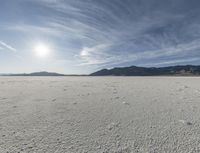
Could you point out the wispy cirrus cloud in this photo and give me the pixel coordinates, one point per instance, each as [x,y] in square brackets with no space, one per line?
[179,51]
[172,62]
[7,47]
[34,29]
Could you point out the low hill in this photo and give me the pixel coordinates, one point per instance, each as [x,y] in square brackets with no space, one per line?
[43,73]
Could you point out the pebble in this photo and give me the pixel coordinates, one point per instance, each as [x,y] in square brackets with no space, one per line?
[188,123]
[125,103]
[112,126]
[184,122]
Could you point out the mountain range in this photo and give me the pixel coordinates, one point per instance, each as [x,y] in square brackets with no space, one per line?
[180,70]
[43,73]
[183,70]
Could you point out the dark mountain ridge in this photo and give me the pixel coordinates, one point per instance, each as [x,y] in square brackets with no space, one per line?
[180,70]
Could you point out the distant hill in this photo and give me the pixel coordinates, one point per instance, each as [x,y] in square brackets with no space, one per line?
[43,73]
[185,70]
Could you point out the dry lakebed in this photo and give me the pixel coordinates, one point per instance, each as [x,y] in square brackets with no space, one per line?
[99,114]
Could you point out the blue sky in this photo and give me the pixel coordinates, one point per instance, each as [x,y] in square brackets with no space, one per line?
[83,36]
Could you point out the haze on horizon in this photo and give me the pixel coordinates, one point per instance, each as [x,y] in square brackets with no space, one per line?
[82,36]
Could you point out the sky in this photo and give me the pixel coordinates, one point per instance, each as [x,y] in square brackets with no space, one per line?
[82,36]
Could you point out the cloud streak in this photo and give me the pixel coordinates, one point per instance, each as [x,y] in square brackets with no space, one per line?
[7,47]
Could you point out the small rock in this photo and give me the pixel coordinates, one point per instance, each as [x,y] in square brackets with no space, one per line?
[125,103]
[184,122]
[98,147]
[71,147]
[188,123]
[112,125]
[30,147]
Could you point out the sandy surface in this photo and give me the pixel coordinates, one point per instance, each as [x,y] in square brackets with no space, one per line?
[99,114]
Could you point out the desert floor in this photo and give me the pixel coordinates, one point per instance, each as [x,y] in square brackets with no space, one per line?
[99,114]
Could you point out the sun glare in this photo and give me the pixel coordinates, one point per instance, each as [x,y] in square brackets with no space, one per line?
[41,50]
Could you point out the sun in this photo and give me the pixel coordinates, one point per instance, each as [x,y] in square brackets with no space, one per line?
[41,50]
